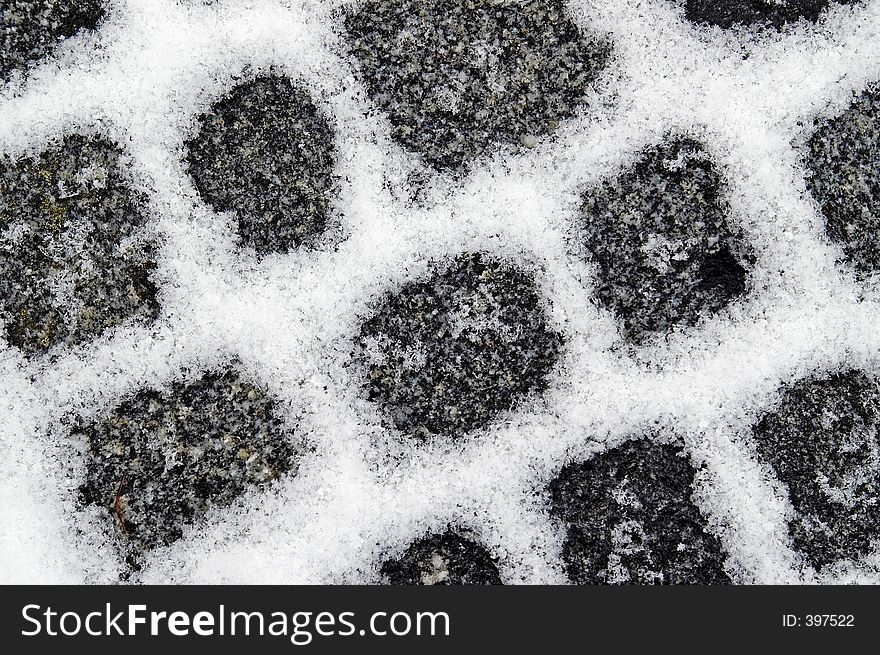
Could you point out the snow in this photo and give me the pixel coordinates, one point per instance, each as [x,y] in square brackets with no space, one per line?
[289,319]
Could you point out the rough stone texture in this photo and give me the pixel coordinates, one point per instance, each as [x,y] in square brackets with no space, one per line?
[160,460]
[266,152]
[446,355]
[728,13]
[30,29]
[823,443]
[659,237]
[458,77]
[843,163]
[443,559]
[71,260]
[629,519]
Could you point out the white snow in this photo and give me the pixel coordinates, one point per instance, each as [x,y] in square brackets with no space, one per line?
[290,319]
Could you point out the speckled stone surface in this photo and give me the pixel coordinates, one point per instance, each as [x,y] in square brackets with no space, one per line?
[729,13]
[447,354]
[472,343]
[629,519]
[72,260]
[824,444]
[160,460]
[266,153]
[659,237]
[457,78]
[443,559]
[30,29]
[843,163]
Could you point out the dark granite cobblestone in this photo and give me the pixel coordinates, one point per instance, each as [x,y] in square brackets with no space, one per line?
[160,460]
[266,152]
[629,519]
[824,444]
[449,353]
[843,174]
[443,559]
[659,237]
[31,29]
[71,262]
[457,78]
[730,13]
